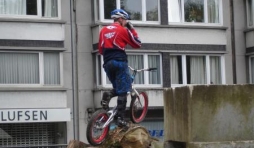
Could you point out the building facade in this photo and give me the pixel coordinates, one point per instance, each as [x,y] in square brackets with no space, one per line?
[51,75]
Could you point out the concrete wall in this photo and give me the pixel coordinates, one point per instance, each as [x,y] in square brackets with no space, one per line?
[210,115]
[82,44]
[249,39]
[240,49]
[84,62]
[182,35]
[240,46]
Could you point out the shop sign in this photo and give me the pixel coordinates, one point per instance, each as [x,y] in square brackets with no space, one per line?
[156,133]
[34,115]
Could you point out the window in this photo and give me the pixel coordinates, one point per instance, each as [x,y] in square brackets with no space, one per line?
[196,69]
[194,11]
[251,70]
[38,8]
[139,10]
[137,61]
[250,12]
[32,134]
[29,68]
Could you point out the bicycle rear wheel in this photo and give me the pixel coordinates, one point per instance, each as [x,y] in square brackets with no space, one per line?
[138,107]
[94,133]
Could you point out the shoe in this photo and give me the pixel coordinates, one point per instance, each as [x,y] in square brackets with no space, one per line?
[106,98]
[121,123]
[104,104]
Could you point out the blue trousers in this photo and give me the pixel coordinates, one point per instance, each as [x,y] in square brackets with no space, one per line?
[119,75]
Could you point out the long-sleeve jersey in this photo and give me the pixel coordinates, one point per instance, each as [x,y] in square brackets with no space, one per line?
[114,38]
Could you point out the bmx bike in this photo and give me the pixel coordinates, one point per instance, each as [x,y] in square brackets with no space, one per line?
[99,124]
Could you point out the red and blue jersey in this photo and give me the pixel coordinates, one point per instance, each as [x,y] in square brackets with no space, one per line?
[114,38]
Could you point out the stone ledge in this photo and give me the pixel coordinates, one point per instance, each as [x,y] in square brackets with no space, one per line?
[223,144]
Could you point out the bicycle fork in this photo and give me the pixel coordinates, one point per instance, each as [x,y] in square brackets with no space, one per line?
[136,93]
[112,113]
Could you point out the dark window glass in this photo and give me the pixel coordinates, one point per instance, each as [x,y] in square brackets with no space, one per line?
[31,7]
[109,5]
[99,70]
[180,78]
[194,10]
[250,11]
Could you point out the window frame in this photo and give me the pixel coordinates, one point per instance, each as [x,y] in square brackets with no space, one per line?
[205,23]
[250,70]
[39,13]
[207,59]
[248,14]
[103,77]
[41,70]
[99,13]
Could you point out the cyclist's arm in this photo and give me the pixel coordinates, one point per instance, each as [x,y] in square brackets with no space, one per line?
[131,38]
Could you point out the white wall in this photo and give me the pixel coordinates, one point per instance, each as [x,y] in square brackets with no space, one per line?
[31,31]
[155,98]
[249,39]
[33,99]
[182,36]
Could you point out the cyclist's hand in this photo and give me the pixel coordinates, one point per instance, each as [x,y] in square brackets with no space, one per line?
[129,25]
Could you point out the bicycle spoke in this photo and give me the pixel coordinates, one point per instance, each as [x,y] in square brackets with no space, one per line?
[95,133]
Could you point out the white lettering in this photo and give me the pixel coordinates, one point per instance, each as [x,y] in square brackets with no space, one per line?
[110,35]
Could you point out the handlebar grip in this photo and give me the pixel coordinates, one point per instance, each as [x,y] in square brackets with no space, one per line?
[151,69]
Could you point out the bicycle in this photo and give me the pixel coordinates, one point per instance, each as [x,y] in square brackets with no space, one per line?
[99,123]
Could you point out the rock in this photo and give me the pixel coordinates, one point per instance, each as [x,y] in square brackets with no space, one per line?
[135,136]
[78,144]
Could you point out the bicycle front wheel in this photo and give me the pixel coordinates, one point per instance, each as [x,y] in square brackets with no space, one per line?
[138,107]
[95,133]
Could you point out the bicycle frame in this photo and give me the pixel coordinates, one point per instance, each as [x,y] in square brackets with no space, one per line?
[113,111]
[99,125]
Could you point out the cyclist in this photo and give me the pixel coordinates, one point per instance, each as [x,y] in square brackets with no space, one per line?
[112,41]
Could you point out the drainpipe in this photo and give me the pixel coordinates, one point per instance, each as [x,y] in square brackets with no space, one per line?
[232,25]
[75,99]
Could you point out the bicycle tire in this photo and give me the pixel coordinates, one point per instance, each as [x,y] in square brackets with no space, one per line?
[94,120]
[138,113]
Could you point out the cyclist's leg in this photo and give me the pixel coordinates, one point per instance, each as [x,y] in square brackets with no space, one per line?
[121,106]
[110,69]
[123,86]
[106,97]
[122,78]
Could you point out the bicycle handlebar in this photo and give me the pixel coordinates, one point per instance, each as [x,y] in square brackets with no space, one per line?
[139,70]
